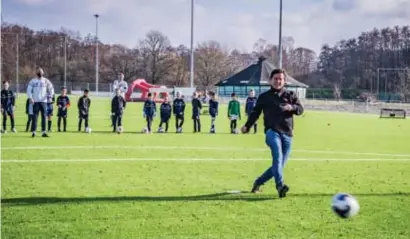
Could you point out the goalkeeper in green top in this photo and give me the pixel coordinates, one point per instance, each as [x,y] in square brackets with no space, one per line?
[234,113]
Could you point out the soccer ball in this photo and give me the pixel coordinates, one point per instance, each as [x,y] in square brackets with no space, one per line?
[236,131]
[345,205]
[120,129]
[144,130]
[88,130]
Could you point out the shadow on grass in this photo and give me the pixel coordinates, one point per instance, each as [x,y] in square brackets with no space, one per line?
[225,196]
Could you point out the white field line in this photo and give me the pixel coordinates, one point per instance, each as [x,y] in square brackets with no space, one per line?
[197,148]
[192,159]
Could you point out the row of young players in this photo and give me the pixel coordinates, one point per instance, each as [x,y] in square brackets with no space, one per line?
[177,108]
[62,103]
[117,108]
[8,101]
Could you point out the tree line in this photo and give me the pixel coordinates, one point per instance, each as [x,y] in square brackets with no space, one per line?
[345,70]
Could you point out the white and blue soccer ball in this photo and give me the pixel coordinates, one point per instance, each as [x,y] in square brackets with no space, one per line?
[345,205]
[120,129]
[144,130]
[88,130]
[236,131]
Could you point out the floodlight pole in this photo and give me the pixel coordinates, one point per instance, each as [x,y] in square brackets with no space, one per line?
[17,64]
[191,76]
[65,61]
[280,33]
[96,53]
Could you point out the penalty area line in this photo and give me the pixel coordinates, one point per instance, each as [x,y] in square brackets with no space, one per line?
[197,159]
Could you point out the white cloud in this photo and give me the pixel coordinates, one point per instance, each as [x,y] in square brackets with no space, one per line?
[311,22]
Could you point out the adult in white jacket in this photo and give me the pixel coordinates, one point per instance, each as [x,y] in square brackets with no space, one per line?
[38,89]
[120,84]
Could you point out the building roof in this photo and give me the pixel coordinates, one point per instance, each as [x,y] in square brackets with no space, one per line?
[257,74]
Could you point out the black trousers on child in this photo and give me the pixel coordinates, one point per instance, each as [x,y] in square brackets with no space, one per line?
[197,124]
[11,115]
[166,122]
[149,119]
[116,121]
[80,121]
[233,125]
[64,123]
[179,121]
[29,122]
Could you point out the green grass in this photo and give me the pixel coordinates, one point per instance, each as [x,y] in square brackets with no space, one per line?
[174,185]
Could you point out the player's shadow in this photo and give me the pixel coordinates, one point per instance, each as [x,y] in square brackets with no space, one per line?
[225,196]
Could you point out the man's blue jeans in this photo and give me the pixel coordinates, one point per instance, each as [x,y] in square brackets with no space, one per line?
[39,108]
[280,145]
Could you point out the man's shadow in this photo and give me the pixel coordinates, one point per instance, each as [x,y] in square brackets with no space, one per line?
[224,196]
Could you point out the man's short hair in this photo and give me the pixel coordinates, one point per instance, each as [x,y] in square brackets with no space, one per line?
[63,88]
[149,94]
[233,94]
[211,93]
[252,90]
[5,81]
[277,71]
[86,90]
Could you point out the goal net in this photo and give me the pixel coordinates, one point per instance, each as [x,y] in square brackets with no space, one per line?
[392,113]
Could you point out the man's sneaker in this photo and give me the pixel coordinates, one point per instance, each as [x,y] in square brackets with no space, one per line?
[256,188]
[14,130]
[283,190]
[33,135]
[4,131]
[44,135]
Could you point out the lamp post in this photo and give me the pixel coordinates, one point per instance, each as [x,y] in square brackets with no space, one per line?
[280,33]
[192,45]
[96,53]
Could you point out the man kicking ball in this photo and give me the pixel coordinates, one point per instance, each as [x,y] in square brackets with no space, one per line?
[278,106]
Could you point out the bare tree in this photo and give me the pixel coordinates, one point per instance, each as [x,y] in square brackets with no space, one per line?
[159,55]
[210,63]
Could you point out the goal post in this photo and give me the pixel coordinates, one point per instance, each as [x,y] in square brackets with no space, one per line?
[392,113]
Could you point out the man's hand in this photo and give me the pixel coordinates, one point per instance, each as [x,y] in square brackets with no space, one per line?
[31,101]
[287,107]
[244,129]
[59,106]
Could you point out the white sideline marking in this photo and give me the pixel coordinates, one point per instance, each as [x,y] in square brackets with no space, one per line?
[198,148]
[191,159]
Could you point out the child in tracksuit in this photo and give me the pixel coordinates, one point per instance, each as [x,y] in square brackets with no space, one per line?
[196,112]
[234,112]
[250,104]
[213,110]
[50,109]
[63,103]
[165,112]
[83,105]
[150,110]
[117,109]
[29,112]
[178,108]
[8,101]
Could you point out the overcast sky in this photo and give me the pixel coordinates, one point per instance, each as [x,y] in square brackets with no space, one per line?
[235,23]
